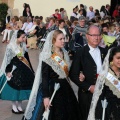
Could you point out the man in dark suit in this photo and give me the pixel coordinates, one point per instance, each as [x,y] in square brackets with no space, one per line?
[107,10]
[87,60]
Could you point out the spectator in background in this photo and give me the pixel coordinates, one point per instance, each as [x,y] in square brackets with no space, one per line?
[41,19]
[69,25]
[40,33]
[62,13]
[107,10]
[77,9]
[73,15]
[102,11]
[65,15]
[105,29]
[81,29]
[29,26]
[51,22]
[117,29]
[65,31]
[24,6]
[47,20]
[27,12]
[80,13]
[82,8]
[91,13]
[32,35]
[57,14]
[97,14]
[24,22]
[116,12]
[9,27]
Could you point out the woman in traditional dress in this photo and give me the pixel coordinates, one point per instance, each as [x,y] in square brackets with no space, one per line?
[53,68]
[19,86]
[107,88]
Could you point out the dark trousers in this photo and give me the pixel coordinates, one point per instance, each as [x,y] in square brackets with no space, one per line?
[84,99]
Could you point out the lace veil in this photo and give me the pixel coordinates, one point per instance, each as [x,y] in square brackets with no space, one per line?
[44,56]
[99,87]
[11,51]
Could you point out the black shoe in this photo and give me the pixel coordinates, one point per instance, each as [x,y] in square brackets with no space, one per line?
[15,112]
[21,112]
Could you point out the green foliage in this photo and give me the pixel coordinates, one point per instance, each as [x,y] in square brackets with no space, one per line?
[3,12]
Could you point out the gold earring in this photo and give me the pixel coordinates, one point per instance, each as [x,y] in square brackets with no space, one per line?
[52,49]
[111,63]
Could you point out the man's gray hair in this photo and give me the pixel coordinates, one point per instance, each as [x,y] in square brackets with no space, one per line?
[82,18]
[100,30]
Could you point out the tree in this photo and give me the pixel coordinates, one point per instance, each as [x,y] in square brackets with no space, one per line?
[3,12]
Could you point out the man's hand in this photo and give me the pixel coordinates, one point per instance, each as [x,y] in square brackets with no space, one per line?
[92,87]
[80,34]
[81,77]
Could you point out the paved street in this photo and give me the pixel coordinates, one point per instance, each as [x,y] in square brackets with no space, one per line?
[5,106]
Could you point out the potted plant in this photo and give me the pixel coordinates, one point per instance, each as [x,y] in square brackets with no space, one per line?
[3,13]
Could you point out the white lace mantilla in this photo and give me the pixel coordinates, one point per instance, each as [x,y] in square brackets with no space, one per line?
[57,68]
[99,87]
[11,51]
[111,86]
[45,56]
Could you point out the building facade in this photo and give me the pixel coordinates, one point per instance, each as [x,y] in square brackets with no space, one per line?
[47,7]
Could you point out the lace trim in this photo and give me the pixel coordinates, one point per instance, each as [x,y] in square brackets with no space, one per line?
[44,55]
[56,67]
[98,87]
[112,87]
[1,73]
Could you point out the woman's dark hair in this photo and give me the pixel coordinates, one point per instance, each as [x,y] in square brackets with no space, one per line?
[41,17]
[19,33]
[113,52]
[81,5]
[97,12]
[61,9]
[61,20]
[26,5]
[102,9]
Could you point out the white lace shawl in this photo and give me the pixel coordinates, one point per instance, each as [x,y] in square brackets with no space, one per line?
[11,51]
[99,87]
[44,56]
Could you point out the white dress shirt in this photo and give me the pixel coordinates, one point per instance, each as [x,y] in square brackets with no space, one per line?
[24,26]
[79,16]
[90,14]
[74,15]
[96,55]
[29,26]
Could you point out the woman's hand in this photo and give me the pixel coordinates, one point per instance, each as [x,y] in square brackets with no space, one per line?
[9,75]
[81,77]
[46,103]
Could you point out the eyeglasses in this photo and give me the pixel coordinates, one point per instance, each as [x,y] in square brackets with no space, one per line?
[94,35]
[82,21]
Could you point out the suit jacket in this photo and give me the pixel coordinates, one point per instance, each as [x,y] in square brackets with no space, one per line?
[107,13]
[84,62]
